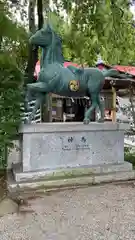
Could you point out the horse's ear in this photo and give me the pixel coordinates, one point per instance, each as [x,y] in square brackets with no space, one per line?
[44,26]
[49,27]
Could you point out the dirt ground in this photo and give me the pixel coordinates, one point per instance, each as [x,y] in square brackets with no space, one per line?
[94,213]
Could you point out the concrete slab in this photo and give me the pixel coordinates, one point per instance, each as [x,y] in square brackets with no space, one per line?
[69,145]
[58,155]
[69,172]
[45,185]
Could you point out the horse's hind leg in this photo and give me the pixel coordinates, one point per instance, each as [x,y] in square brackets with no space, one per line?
[101,108]
[88,113]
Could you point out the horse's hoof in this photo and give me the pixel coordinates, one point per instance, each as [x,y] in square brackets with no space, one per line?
[27,121]
[101,120]
[86,121]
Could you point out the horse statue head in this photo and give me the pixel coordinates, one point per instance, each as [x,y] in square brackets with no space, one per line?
[42,37]
[50,42]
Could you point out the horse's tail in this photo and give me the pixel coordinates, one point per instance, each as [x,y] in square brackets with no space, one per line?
[110,73]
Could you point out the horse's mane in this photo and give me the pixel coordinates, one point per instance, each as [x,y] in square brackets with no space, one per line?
[57,48]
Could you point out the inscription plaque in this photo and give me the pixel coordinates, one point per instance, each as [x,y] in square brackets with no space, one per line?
[68,143]
[74,143]
[82,143]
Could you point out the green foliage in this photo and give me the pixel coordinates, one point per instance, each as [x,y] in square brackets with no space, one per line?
[13,36]
[71,48]
[13,54]
[10,98]
[98,28]
[129,156]
[94,27]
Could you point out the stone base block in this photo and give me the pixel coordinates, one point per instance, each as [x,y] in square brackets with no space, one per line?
[69,172]
[70,154]
[63,178]
[50,146]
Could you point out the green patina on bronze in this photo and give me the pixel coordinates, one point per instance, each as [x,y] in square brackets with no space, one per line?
[70,81]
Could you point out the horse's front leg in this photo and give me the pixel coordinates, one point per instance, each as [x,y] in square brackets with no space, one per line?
[38,103]
[101,108]
[88,113]
[39,89]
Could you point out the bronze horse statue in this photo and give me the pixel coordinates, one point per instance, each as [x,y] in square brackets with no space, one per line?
[70,81]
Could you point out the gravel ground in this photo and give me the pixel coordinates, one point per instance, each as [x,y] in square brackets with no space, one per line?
[100,212]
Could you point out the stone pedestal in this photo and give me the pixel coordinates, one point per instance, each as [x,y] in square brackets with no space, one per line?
[57,151]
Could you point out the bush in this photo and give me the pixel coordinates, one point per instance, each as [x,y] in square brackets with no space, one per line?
[10,99]
[129,156]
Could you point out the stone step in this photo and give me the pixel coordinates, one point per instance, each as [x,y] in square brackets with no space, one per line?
[20,176]
[57,184]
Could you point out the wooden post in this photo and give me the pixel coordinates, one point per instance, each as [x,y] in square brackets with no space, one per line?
[50,107]
[46,109]
[131,96]
[114,105]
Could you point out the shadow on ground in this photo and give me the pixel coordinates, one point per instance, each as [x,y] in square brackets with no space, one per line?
[3,185]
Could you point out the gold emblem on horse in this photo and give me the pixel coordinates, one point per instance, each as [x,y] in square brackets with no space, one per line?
[74,85]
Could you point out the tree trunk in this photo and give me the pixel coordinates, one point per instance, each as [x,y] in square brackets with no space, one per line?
[1,38]
[33,52]
[40,25]
[46,7]
[40,13]
[46,109]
